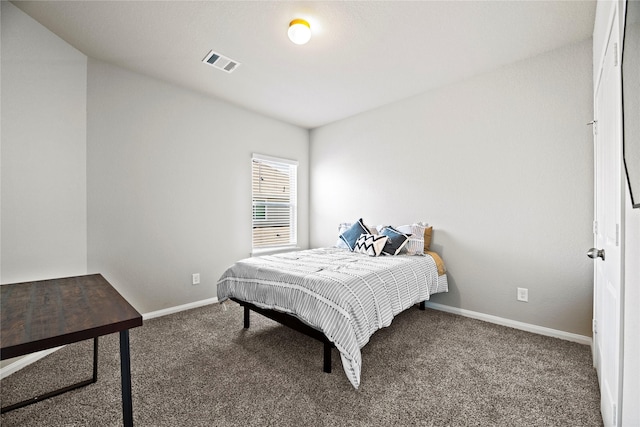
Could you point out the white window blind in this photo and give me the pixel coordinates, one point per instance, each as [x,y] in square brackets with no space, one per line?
[275,196]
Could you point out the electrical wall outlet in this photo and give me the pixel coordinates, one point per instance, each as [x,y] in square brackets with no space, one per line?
[195,279]
[523,294]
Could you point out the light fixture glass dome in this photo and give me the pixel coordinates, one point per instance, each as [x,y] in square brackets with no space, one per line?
[299,31]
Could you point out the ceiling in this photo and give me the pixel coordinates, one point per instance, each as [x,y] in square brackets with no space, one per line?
[362,54]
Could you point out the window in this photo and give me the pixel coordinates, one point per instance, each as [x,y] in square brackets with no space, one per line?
[274,194]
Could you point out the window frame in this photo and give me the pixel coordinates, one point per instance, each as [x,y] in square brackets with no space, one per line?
[259,200]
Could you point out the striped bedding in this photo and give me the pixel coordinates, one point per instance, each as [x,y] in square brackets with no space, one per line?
[346,295]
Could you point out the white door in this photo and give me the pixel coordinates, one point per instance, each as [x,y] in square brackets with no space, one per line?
[607,251]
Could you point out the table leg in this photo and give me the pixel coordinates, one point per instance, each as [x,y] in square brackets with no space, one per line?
[60,391]
[125,373]
[95,359]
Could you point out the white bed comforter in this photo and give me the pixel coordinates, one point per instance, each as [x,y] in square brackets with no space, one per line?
[346,295]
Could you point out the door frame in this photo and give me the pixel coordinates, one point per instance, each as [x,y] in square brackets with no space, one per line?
[611,416]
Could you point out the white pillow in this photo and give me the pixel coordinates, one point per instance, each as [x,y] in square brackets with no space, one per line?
[341,229]
[415,244]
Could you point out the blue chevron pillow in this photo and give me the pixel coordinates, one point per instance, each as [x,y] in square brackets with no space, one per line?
[370,244]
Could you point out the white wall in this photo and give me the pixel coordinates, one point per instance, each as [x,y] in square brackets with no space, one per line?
[44,86]
[169,185]
[501,165]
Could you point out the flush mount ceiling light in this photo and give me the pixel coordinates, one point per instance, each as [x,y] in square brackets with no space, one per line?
[299,31]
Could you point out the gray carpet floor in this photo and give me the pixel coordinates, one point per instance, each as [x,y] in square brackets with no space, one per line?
[201,368]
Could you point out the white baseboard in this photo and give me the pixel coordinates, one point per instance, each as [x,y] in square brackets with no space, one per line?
[541,330]
[178,308]
[33,357]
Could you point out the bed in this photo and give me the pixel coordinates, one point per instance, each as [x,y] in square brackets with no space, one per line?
[337,295]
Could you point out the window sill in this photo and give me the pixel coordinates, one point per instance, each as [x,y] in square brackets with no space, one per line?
[275,250]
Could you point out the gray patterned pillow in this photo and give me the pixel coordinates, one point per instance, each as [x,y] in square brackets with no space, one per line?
[415,244]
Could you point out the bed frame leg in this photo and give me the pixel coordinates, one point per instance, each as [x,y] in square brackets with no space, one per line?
[422,305]
[246,317]
[327,357]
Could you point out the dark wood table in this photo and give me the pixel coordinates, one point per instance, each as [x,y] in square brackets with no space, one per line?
[50,313]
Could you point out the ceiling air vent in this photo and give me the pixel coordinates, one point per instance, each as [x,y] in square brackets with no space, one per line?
[220,62]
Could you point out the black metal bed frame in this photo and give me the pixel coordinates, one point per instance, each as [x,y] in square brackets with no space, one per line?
[295,324]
